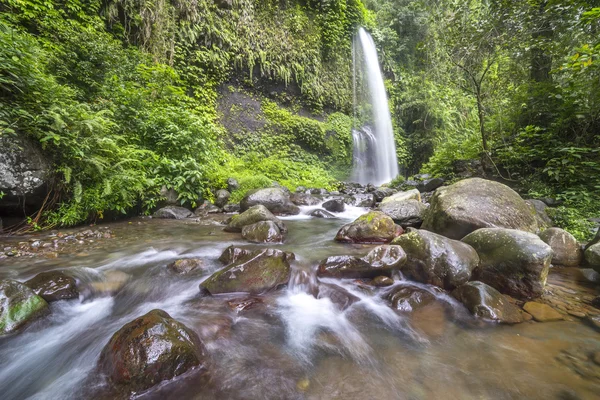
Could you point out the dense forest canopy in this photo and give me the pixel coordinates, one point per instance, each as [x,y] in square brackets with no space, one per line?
[125,96]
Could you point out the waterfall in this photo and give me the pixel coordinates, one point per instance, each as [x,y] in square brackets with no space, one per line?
[374,155]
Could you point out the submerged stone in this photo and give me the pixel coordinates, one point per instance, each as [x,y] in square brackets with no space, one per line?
[373,227]
[542,312]
[53,286]
[486,302]
[19,305]
[409,298]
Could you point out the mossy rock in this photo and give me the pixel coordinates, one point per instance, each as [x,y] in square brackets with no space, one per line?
[251,216]
[373,227]
[486,302]
[263,232]
[514,262]
[475,203]
[437,260]
[19,305]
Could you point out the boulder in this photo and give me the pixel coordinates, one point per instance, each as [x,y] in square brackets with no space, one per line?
[53,286]
[251,216]
[592,256]
[475,203]
[233,254]
[19,305]
[350,267]
[334,205]
[262,232]
[186,265]
[231,208]
[486,302]
[409,298]
[232,185]
[383,192]
[373,227]
[274,199]
[304,199]
[151,349]
[412,194]
[319,213]
[437,260]
[206,208]
[429,185]
[595,240]
[539,208]
[514,262]
[406,213]
[257,272]
[221,198]
[382,281]
[361,200]
[387,257]
[542,312]
[173,212]
[565,248]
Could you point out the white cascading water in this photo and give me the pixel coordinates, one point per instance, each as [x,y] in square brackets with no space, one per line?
[374,155]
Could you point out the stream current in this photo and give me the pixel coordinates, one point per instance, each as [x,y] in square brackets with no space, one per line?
[290,345]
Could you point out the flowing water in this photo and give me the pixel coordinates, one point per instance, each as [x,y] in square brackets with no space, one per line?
[289,346]
[375,159]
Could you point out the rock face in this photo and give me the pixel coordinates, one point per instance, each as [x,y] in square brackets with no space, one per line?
[24,173]
[251,216]
[350,267]
[409,298]
[565,248]
[186,265]
[221,198]
[255,272]
[304,199]
[173,212]
[53,286]
[486,302]
[387,257]
[319,213]
[592,256]
[514,262]
[468,205]
[151,349]
[262,232]
[19,305]
[373,227]
[539,207]
[334,205]
[412,194]
[406,213]
[437,260]
[275,200]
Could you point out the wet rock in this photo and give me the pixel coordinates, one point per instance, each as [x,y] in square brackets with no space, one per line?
[221,198]
[382,193]
[251,216]
[232,185]
[350,267]
[514,262]
[19,305]
[112,282]
[319,213]
[243,304]
[412,194]
[388,257]
[382,281]
[258,272]
[566,250]
[173,212]
[429,185]
[186,265]
[361,200]
[231,208]
[53,286]
[406,213]
[437,260]
[592,256]
[468,205]
[151,349]
[486,302]
[275,200]
[338,295]
[409,298]
[373,227]
[334,205]
[206,208]
[262,232]
[304,199]
[233,254]
[539,208]
[542,312]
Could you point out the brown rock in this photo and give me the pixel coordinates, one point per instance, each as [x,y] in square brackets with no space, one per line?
[542,312]
[186,265]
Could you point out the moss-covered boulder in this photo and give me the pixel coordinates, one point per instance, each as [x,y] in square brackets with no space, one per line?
[251,216]
[19,305]
[256,272]
[53,286]
[514,262]
[475,203]
[409,298]
[151,349]
[486,302]
[592,256]
[186,265]
[350,267]
[565,248]
[262,232]
[406,213]
[274,199]
[373,227]
[386,257]
[437,260]
[233,254]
